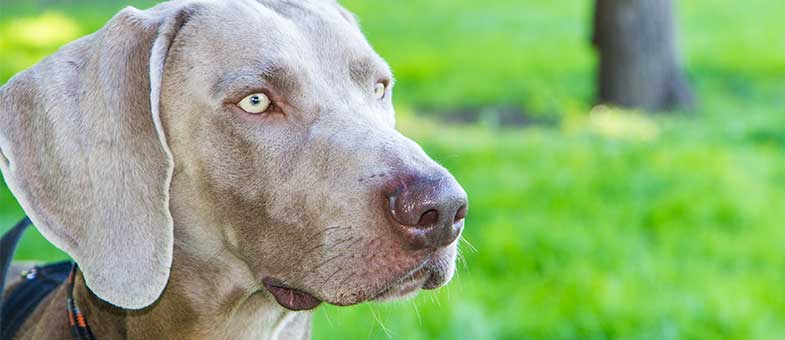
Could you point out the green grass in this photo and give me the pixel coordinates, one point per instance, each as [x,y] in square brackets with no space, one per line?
[606,225]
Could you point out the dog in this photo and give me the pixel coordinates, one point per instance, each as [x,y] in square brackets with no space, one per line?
[219,168]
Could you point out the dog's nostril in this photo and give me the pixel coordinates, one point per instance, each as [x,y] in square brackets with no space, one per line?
[428,219]
[460,214]
[427,211]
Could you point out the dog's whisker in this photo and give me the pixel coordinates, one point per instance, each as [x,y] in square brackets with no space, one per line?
[381,324]
[462,260]
[314,248]
[325,262]
[330,277]
[464,240]
[326,230]
[327,317]
[417,311]
[370,331]
[333,245]
[436,299]
[356,240]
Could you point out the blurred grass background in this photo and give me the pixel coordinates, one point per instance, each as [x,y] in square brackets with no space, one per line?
[586,222]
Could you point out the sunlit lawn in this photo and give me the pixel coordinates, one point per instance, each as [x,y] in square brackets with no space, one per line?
[603,224]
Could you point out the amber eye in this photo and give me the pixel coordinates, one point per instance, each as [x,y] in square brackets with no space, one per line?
[255,103]
[379,90]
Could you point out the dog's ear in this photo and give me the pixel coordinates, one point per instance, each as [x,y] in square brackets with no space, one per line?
[83,150]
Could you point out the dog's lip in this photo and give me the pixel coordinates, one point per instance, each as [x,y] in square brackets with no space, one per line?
[290,298]
[421,276]
[407,283]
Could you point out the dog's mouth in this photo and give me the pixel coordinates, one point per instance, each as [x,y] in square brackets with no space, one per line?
[290,298]
[404,286]
[427,275]
[298,300]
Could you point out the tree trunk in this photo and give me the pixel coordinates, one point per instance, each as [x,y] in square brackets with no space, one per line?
[639,67]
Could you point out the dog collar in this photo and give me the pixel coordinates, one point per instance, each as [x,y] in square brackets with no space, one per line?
[76,320]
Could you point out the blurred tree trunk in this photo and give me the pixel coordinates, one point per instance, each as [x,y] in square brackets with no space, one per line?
[639,66]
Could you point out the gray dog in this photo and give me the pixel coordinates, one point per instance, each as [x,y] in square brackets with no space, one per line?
[217,168]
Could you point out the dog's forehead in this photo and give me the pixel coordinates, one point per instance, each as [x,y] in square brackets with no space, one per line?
[303,8]
[312,36]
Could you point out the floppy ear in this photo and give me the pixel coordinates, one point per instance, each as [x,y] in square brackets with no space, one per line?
[83,150]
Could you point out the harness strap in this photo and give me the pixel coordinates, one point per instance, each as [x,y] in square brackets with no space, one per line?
[40,281]
[7,248]
[37,283]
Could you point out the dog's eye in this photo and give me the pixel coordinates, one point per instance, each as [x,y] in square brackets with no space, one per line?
[379,90]
[255,103]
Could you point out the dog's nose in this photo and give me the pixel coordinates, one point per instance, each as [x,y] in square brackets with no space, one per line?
[429,211]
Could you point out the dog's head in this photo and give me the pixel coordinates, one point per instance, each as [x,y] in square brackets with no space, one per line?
[269,124]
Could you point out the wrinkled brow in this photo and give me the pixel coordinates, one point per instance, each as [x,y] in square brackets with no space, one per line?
[366,69]
[279,78]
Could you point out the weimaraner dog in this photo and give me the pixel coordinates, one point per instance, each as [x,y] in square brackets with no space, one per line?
[219,168]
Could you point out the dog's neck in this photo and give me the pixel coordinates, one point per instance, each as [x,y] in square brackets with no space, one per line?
[207,305]
[210,295]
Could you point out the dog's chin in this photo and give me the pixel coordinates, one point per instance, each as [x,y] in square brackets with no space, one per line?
[404,287]
[431,274]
